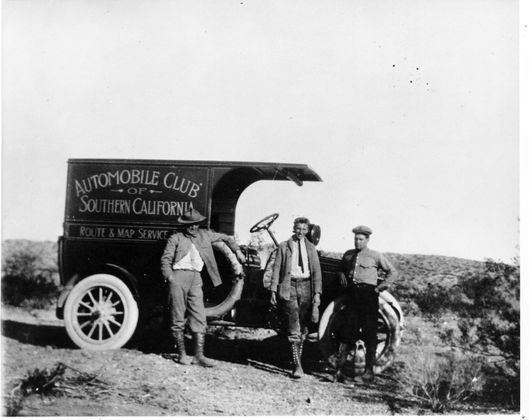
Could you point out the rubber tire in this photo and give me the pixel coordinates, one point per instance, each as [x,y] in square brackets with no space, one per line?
[390,318]
[130,312]
[214,312]
[228,303]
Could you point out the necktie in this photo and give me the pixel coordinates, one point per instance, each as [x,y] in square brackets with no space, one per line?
[300,259]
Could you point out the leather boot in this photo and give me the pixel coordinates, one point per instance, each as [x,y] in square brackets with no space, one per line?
[180,346]
[297,371]
[199,358]
[369,374]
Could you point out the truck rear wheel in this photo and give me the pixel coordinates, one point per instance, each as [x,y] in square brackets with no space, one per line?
[388,335]
[100,313]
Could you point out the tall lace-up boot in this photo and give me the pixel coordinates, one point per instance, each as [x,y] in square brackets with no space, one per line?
[297,371]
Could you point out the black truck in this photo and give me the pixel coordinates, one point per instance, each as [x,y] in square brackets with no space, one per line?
[118,216]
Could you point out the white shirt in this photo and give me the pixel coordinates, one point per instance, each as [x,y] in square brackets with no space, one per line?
[191,261]
[295,269]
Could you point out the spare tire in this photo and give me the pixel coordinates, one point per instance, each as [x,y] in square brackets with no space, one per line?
[232,283]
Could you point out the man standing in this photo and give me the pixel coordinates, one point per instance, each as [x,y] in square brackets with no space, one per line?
[182,261]
[359,275]
[296,287]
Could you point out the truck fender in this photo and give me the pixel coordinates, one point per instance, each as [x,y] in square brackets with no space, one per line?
[59,310]
[107,268]
[124,275]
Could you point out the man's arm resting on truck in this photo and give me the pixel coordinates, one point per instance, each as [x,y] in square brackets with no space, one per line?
[216,237]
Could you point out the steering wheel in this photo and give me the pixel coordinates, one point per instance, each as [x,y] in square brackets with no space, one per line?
[264,223]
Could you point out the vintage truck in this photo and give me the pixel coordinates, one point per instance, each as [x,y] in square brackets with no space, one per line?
[118,216]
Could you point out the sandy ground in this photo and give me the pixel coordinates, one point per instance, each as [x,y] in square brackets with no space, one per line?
[252,376]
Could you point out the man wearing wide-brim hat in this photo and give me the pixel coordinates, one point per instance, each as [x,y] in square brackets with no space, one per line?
[185,254]
[358,274]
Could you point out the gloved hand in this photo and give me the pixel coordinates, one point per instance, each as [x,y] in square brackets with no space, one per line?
[342,279]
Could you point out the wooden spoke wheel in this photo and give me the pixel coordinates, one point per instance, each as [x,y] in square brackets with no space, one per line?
[100,313]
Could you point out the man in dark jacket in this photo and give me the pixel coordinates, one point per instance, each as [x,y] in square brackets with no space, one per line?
[296,287]
[184,256]
[359,276]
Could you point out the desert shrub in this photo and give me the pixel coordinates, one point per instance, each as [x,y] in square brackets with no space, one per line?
[491,316]
[486,300]
[39,381]
[413,334]
[57,381]
[421,332]
[488,312]
[437,298]
[29,274]
[501,385]
[441,381]
[410,308]
[449,333]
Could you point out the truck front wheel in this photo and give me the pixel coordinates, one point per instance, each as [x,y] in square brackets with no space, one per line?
[100,313]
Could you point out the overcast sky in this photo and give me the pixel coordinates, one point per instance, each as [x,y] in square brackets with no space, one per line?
[407,109]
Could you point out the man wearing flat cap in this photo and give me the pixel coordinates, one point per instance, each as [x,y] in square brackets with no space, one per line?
[358,274]
[185,254]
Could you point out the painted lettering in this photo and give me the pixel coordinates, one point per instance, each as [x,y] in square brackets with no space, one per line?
[160,207]
[92,232]
[185,186]
[103,205]
[194,190]
[125,233]
[119,177]
[153,234]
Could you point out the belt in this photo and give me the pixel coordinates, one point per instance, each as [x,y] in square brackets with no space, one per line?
[300,279]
